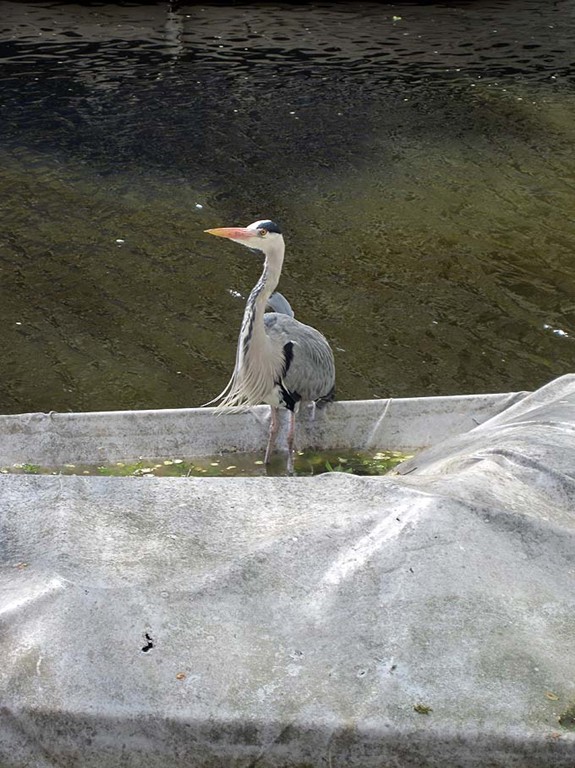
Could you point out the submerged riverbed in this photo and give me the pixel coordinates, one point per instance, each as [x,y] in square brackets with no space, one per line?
[419,158]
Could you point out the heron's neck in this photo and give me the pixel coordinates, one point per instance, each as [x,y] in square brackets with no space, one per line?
[253,322]
[269,279]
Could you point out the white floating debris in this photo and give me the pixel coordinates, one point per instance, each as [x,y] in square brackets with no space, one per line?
[119,240]
[235,294]
[199,205]
[556,331]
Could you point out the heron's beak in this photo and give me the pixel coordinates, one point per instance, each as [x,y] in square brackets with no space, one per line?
[232,233]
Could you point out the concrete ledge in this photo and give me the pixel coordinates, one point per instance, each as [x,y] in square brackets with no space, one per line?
[409,424]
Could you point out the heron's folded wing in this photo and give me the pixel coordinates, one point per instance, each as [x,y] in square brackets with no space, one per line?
[311,369]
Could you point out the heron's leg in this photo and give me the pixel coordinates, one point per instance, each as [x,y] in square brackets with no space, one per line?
[290,442]
[313,408]
[274,427]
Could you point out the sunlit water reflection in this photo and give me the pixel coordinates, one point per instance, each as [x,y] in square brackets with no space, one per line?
[419,157]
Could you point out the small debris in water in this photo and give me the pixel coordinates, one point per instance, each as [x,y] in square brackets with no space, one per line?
[556,331]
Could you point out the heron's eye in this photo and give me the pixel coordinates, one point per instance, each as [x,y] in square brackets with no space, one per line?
[263,232]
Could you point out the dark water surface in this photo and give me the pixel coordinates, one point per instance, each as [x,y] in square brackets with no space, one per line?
[420,158]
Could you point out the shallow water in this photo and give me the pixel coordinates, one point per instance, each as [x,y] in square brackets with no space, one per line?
[419,157]
[306,463]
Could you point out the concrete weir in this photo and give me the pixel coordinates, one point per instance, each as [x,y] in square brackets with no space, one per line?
[425,618]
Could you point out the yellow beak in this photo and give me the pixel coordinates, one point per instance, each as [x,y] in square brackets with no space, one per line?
[232,233]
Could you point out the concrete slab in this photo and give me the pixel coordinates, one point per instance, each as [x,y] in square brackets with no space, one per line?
[412,621]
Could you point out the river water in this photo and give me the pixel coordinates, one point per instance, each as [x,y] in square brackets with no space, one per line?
[419,157]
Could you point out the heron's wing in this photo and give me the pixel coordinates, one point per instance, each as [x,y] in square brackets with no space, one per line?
[310,368]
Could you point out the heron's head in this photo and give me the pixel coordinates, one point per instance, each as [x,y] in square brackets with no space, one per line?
[262,235]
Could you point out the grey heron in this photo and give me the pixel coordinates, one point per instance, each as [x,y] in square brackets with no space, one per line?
[279,361]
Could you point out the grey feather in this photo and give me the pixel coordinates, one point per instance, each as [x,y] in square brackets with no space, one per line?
[277,302]
[311,373]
